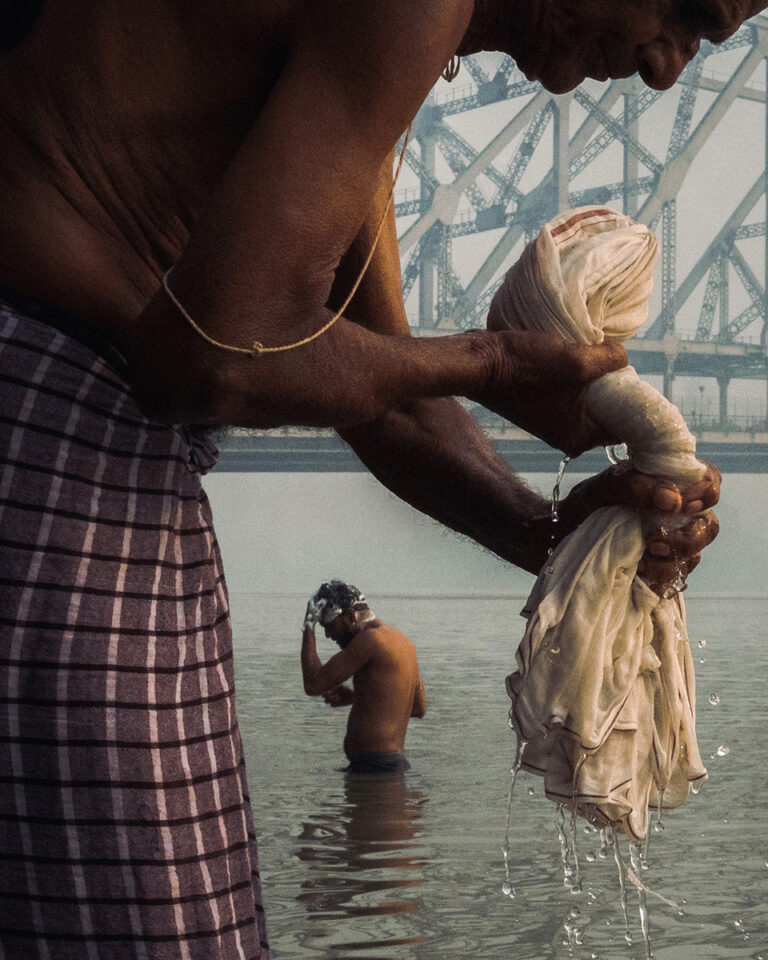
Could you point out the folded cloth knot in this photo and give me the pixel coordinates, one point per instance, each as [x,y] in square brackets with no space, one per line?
[604,669]
[202,452]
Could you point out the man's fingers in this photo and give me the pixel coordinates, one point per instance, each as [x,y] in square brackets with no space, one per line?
[667,551]
[705,493]
[539,357]
[620,485]
[651,493]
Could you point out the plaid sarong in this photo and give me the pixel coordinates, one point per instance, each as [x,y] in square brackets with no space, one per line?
[125,825]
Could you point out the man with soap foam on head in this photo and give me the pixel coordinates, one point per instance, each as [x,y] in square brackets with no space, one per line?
[387,689]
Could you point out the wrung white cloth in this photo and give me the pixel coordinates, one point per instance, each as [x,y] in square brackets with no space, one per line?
[604,691]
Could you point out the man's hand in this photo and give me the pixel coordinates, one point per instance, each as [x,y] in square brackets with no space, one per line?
[340,696]
[541,387]
[312,613]
[673,550]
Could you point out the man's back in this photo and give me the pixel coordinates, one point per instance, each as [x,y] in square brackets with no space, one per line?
[385,687]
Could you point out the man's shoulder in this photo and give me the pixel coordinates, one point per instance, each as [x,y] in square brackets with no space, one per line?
[384,635]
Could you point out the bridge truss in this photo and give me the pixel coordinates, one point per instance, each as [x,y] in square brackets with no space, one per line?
[492,157]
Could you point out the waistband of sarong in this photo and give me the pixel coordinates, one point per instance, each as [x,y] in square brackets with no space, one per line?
[66,323]
[376,763]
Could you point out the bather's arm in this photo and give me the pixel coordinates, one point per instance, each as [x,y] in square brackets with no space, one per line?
[433,455]
[419,708]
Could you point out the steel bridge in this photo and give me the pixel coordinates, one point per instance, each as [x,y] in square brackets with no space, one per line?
[492,157]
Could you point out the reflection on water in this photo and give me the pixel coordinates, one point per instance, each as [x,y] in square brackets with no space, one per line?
[362,852]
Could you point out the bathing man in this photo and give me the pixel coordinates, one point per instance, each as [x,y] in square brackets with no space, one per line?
[387,689]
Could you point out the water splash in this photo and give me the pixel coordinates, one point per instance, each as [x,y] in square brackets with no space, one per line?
[572,929]
[506,888]
[723,751]
[714,699]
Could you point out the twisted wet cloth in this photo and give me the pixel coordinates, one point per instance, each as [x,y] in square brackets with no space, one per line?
[125,824]
[604,693]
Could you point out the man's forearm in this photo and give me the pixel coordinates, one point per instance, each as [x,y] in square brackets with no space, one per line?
[310,662]
[455,476]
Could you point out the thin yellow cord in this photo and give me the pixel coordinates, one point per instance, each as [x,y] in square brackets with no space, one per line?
[258,347]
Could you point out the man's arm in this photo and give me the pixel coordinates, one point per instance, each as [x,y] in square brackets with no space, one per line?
[419,707]
[433,454]
[321,677]
[261,259]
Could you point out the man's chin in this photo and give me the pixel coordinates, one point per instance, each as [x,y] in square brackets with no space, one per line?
[562,83]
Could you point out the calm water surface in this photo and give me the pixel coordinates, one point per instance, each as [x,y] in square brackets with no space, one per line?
[411,867]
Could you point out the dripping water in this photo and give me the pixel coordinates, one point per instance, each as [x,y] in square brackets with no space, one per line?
[555,515]
[603,844]
[622,885]
[506,888]
[574,858]
[659,825]
[636,857]
[568,877]
[644,855]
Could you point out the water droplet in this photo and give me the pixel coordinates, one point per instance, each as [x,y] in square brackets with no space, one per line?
[696,787]
[702,660]
[554,651]
[578,936]
[746,936]
[723,751]
[628,937]
[702,643]
[658,827]
[738,924]
[575,912]
[531,792]
[714,699]
[506,888]
[590,857]
[617,452]
[681,912]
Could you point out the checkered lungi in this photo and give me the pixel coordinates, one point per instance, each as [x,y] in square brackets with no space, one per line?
[125,825]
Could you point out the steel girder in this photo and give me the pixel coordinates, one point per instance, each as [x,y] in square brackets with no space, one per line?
[505,156]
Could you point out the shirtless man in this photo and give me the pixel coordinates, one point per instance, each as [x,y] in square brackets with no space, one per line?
[387,690]
[249,147]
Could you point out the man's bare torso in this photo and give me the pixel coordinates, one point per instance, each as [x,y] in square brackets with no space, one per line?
[117,121]
[384,692]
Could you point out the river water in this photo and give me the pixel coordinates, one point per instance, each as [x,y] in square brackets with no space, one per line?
[411,866]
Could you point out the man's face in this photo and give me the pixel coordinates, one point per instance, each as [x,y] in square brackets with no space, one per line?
[341,629]
[568,40]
